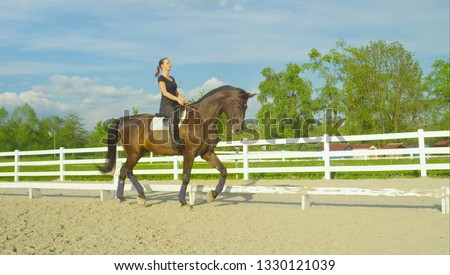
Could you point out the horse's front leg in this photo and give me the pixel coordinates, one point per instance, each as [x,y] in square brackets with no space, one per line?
[215,162]
[141,195]
[188,161]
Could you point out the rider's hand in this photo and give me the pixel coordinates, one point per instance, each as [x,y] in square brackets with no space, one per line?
[181,101]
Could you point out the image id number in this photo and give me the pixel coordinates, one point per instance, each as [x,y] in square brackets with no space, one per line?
[295,265]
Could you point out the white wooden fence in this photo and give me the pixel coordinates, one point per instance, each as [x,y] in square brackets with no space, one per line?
[247,158]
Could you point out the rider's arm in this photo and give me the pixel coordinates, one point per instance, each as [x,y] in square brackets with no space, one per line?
[180,96]
[165,93]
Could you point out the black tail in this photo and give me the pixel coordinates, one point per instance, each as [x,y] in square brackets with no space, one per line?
[113,136]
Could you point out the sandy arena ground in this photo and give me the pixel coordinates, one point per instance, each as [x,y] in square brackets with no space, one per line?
[68,222]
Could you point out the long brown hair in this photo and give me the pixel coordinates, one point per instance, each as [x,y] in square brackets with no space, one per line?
[158,68]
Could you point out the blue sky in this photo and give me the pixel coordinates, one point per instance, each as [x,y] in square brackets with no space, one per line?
[98,58]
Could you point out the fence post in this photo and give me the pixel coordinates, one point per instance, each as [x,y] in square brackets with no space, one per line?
[34,193]
[245,157]
[194,197]
[306,202]
[116,173]
[16,165]
[236,161]
[175,167]
[61,164]
[326,156]
[422,155]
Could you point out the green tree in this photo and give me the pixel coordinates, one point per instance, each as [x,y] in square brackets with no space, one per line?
[22,127]
[96,137]
[384,89]
[330,68]
[438,86]
[72,134]
[3,115]
[330,96]
[49,129]
[3,129]
[286,102]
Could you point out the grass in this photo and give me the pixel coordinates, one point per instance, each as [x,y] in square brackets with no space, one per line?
[229,165]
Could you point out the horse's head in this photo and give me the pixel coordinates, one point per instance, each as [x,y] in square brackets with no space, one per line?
[235,111]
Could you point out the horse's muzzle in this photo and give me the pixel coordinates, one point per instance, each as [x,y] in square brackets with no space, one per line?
[236,126]
[237,131]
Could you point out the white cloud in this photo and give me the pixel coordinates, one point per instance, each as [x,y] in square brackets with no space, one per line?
[86,96]
[35,99]
[207,86]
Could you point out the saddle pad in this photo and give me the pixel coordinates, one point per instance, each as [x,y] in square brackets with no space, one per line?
[161,123]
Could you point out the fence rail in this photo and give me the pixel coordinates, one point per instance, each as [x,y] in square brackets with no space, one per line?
[247,157]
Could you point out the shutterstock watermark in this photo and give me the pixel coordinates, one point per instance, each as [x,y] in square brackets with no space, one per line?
[210,131]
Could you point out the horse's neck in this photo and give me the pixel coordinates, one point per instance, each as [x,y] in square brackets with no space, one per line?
[211,108]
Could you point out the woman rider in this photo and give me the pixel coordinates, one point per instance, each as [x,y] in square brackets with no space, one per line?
[171,99]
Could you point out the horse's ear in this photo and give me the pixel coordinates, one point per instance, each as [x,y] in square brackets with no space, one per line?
[247,95]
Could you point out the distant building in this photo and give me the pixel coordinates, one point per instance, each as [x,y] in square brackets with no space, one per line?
[339,147]
[415,144]
[363,147]
[442,143]
[394,146]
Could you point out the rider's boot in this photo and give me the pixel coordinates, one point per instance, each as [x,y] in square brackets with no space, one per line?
[177,143]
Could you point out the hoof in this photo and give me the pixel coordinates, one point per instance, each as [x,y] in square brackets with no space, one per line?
[185,205]
[121,199]
[141,199]
[212,195]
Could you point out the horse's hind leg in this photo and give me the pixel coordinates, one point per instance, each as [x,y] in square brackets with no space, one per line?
[121,184]
[129,165]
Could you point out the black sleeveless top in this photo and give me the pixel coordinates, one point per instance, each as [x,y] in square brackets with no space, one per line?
[167,105]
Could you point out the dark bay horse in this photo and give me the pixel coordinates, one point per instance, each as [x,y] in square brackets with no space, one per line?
[198,131]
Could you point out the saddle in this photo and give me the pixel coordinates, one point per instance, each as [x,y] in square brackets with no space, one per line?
[160,122]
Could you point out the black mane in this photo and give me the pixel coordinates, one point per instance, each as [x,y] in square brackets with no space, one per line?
[218,90]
